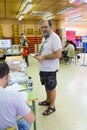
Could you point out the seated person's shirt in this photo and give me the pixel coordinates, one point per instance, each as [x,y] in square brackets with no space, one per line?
[69,47]
[12,105]
[2,54]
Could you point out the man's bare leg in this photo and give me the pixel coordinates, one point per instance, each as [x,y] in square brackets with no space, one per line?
[51,96]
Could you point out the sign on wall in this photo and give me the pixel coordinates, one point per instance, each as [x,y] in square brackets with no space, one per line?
[5,43]
[70,35]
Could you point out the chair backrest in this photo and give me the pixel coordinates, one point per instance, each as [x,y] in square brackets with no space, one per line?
[12,128]
[71,53]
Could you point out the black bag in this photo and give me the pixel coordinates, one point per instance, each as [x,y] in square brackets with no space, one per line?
[78,57]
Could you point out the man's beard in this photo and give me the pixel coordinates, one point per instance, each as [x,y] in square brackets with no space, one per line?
[46,34]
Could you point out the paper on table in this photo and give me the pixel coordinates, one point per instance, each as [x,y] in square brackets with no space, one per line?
[17,77]
[16,87]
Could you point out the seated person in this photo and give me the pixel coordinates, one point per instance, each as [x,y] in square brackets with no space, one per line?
[69,46]
[12,105]
[2,55]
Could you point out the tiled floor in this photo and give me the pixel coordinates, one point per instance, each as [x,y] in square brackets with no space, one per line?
[71,100]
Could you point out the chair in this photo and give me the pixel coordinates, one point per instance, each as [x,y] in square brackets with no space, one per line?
[71,55]
[11,128]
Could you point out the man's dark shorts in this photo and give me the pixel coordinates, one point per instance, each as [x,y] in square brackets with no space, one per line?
[48,79]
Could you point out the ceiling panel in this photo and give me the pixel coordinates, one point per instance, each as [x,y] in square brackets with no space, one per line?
[2,13]
[10,9]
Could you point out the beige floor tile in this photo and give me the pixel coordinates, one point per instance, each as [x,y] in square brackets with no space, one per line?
[71,100]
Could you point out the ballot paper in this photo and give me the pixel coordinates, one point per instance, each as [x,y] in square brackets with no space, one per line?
[17,65]
[17,77]
[18,88]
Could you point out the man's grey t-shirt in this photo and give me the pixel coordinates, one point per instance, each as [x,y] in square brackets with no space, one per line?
[50,45]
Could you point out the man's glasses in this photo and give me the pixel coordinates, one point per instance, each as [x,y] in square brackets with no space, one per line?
[44,27]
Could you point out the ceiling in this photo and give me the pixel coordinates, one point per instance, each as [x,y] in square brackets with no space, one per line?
[10,9]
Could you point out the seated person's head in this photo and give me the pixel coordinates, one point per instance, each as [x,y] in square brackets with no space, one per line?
[67,42]
[23,36]
[4,74]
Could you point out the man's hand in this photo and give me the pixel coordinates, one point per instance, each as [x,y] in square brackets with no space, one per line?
[39,57]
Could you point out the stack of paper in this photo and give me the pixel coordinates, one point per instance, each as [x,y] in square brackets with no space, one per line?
[17,77]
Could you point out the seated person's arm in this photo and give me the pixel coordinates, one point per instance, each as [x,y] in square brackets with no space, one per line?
[2,52]
[23,109]
[30,117]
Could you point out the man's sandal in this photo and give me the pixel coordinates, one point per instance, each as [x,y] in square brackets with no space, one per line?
[44,103]
[49,111]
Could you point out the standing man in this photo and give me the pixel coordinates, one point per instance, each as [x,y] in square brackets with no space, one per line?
[48,57]
[12,105]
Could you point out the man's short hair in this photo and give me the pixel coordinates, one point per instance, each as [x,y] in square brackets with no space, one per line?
[4,69]
[49,22]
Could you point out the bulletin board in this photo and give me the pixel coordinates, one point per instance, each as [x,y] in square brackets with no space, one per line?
[5,44]
[70,35]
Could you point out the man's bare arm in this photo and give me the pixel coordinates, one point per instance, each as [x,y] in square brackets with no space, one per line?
[30,117]
[55,55]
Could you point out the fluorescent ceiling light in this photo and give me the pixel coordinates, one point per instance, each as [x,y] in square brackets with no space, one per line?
[75,17]
[64,10]
[71,1]
[85,1]
[82,1]
[38,13]
[20,17]
[48,18]
[26,1]
[47,15]
[27,8]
